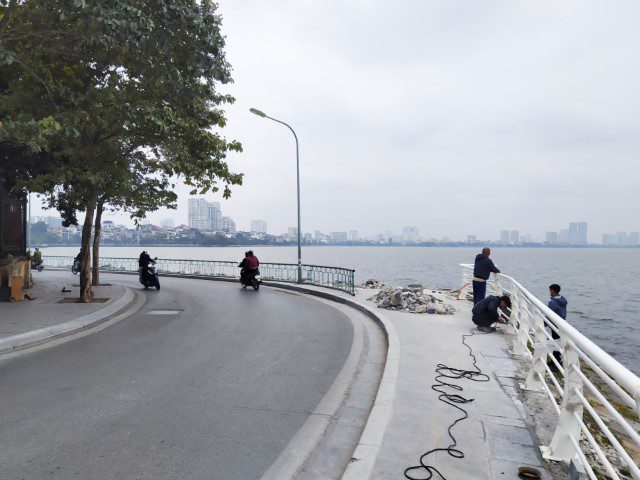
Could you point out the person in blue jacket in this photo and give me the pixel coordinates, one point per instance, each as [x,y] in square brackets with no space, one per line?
[481,271]
[558,304]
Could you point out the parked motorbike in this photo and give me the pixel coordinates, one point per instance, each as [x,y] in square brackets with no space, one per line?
[76,267]
[37,265]
[149,275]
[251,279]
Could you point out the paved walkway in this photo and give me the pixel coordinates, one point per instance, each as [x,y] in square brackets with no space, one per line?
[495,439]
[44,310]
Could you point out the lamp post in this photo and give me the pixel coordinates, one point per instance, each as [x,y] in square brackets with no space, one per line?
[264,115]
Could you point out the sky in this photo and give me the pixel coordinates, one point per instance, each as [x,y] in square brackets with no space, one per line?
[459,117]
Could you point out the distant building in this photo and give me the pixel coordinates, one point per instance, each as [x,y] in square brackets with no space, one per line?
[215,216]
[353,236]
[52,222]
[472,238]
[527,238]
[583,228]
[504,236]
[318,235]
[621,239]
[634,239]
[551,238]
[514,236]
[563,236]
[258,226]
[308,237]
[573,233]
[410,234]
[339,236]
[168,223]
[608,239]
[199,214]
[227,225]
[292,231]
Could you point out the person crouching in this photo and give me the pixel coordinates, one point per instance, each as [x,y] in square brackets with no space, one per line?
[485,312]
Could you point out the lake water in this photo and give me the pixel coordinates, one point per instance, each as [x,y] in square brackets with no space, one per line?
[602,285]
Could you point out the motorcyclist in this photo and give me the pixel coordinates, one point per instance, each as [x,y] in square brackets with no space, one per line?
[143,262]
[249,266]
[37,257]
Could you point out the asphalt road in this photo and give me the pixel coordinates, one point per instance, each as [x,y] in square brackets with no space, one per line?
[214,391]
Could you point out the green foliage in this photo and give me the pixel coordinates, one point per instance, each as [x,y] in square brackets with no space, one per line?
[114,100]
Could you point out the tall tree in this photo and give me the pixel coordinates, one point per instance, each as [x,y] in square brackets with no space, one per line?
[131,102]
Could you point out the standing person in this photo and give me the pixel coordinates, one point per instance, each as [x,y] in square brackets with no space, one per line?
[558,304]
[481,271]
[485,312]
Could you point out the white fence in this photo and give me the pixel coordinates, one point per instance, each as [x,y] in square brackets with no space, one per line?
[605,437]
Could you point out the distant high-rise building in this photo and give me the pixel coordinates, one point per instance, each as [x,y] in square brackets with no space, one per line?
[582,233]
[292,231]
[199,214]
[353,236]
[573,233]
[563,236]
[608,239]
[634,239]
[168,223]
[227,225]
[258,226]
[515,236]
[308,237]
[472,238]
[551,238]
[621,238]
[410,234]
[318,235]
[527,238]
[216,216]
[504,236]
[339,236]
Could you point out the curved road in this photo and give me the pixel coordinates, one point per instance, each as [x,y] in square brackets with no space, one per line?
[214,391]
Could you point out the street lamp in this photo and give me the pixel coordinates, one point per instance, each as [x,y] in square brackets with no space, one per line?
[264,115]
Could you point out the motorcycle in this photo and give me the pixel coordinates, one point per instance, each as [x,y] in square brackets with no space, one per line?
[251,279]
[37,265]
[76,267]
[149,275]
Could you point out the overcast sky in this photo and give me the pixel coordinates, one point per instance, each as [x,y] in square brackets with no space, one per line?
[458,117]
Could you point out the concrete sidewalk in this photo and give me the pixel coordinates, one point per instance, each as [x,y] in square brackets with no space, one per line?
[495,438]
[34,321]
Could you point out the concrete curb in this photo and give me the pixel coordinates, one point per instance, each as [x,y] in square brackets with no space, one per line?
[368,448]
[36,337]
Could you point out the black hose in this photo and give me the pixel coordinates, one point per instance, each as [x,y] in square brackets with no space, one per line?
[426,471]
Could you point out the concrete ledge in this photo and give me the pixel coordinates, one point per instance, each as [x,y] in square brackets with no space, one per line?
[42,335]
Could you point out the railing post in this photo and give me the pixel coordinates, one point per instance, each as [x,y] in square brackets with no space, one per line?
[521,340]
[561,446]
[541,348]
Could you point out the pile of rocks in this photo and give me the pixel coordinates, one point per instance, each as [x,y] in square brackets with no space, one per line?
[373,284]
[412,300]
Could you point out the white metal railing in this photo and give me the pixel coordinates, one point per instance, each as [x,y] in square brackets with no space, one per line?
[585,378]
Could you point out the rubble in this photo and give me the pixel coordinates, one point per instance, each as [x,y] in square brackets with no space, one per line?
[412,300]
[373,284]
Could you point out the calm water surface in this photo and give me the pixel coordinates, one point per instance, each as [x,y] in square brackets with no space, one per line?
[602,285]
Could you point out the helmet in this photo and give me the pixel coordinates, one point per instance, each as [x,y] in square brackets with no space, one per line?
[37,248]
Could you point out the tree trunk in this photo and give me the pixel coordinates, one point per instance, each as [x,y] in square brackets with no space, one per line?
[86,293]
[95,268]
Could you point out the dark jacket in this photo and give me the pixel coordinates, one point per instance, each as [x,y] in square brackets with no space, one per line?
[559,305]
[483,267]
[144,260]
[486,309]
